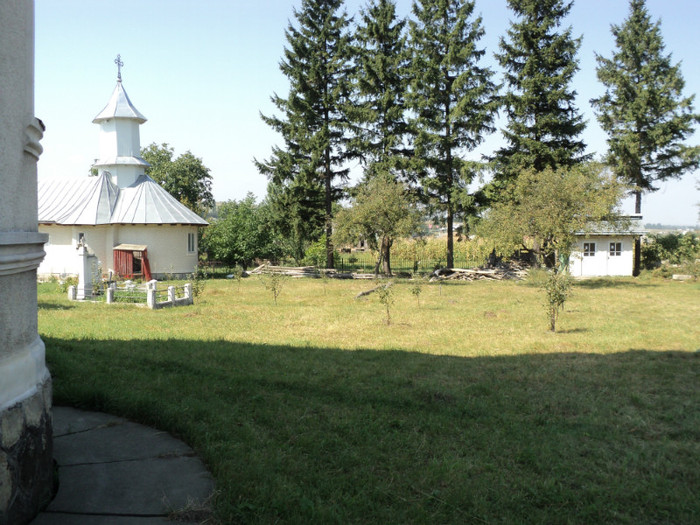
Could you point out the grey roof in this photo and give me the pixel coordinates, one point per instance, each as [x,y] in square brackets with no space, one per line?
[92,201]
[628,225]
[119,106]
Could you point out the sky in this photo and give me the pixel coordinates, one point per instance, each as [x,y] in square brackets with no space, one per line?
[202,72]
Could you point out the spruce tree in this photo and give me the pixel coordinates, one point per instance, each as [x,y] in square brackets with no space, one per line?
[643,110]
[313,120]
[380,81]
[539,60]
[379,126]
[452,98]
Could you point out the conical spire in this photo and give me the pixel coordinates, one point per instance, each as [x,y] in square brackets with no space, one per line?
[119,105]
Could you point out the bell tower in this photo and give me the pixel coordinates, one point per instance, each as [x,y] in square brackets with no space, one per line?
[120,142]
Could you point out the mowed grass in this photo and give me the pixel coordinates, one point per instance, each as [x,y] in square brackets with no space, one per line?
[465,409]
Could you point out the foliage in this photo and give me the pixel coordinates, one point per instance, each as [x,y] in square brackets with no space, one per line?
[67,282]
[380,212]
[453,100]
[313,120]
[296,212]
[417,287]
[385,294]
[547,208]
[273,282]
[199,281]
[315,254]
[557,288]
[676,248]
[379,127]
[185,178]
[643,110]
[242,233]
[542,121]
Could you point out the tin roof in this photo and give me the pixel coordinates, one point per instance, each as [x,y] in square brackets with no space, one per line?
[626,225]
[92,201]
[119,106]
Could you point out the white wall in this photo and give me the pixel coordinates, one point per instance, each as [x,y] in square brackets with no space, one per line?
[167,247]
[602,263]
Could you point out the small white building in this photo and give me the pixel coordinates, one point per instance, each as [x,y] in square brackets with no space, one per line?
[606,251]
[133,227]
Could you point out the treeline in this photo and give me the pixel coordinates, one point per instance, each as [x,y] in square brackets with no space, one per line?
[409,99]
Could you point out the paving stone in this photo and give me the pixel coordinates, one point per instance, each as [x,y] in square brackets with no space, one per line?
[77,519]
[116,442]
[70,420]
[149,487]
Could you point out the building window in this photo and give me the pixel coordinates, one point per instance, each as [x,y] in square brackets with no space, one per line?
[588,249]
[191,243]
[615,249]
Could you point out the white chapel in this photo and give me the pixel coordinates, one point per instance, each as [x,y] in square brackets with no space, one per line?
[128,223]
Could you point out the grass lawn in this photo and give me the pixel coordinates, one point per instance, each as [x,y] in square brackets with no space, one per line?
[466,409]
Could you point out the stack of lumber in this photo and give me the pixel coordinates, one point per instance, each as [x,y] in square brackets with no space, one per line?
[307,271]
[503,271]
[289,271]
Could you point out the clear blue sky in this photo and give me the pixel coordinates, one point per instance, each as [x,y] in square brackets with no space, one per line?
[202,71]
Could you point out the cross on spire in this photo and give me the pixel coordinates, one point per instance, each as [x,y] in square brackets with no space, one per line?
[119,63]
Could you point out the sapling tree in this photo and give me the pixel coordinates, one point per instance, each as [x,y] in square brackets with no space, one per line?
[417,287]
[557,288]
[273,282]
[385,294]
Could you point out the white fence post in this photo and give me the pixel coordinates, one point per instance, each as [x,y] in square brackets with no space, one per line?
[171,295]
[72,293]
[110,295]
[151,298]
[188,293]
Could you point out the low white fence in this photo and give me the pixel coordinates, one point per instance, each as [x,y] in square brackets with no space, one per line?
[150,294]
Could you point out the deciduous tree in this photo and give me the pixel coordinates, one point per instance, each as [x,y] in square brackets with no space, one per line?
[380,212]
[241,233]
[546,209]
[186,178]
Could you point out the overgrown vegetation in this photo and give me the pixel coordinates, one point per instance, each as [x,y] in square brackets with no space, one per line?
[465,410]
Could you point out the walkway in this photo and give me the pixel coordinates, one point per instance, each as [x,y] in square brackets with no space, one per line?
[114,472]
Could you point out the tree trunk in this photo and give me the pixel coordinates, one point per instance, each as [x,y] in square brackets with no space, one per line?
[330,263]
[638,241]
[386,255]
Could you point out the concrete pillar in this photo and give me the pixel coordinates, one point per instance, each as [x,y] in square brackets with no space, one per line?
[171,295]
[85,273]
[151,298]
[26,443]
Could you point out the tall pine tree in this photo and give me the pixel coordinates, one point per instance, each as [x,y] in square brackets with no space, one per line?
[452,98]
[643,110]
[313,120]
[539,60]
[378,115]
[379,126]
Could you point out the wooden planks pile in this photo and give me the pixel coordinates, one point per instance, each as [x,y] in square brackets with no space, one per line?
[504,271]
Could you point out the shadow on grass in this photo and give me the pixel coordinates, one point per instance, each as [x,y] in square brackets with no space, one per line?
[49,305]
[322,435]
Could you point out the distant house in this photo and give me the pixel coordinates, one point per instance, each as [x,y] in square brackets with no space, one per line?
[132,226]
[606,251]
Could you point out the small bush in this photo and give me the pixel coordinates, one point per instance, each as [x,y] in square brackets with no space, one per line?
[558,289]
